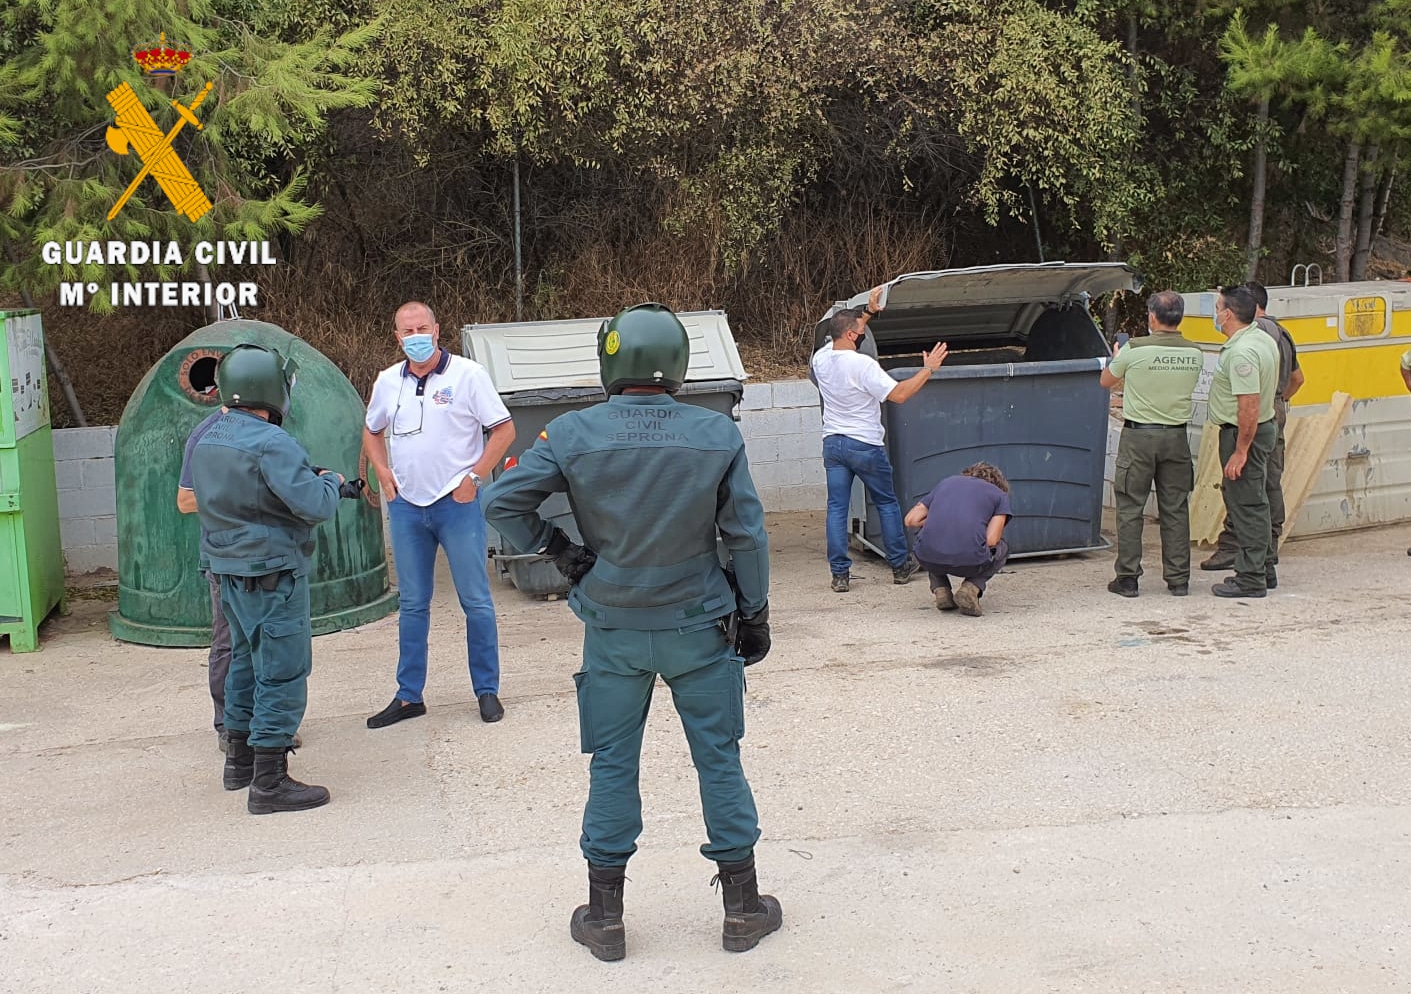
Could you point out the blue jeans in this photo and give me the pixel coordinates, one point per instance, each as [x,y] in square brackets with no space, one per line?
[843,459]
[460,530]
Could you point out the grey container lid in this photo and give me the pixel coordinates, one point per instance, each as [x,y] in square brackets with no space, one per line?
[992,303]
[545,355]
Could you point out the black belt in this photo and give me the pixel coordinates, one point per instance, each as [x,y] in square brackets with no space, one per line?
[1236,427]
[1139,424]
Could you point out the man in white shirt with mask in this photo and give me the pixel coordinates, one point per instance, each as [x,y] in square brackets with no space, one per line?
[425,437]
[853,386]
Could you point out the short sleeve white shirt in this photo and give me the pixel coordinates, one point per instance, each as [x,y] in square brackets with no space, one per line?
[434,427]
[853,386]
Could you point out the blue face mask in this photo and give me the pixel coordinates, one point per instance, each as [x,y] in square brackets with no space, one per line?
[418,348]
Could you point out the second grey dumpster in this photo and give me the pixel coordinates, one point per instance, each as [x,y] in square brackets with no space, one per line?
[542,369]
[1019,389]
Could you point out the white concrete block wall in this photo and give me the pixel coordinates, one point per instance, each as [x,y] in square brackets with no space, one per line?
[783,429]
[781,422]
[88,524]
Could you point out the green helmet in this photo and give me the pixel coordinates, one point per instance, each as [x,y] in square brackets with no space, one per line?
[254,376]
[644,346]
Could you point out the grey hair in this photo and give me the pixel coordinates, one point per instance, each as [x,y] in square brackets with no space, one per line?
[1168,306]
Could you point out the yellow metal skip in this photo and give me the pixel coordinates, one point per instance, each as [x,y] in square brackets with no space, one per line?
[1350,336]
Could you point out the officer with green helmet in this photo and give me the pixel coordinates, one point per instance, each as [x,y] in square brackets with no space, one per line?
[259,500]
[651,482]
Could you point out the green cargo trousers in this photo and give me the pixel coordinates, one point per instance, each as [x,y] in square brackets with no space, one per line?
[707,683]
[271,656]
[1273,486]
[1247,504]
[1161,456]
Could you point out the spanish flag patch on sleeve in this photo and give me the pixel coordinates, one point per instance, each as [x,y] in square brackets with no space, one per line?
[544,435]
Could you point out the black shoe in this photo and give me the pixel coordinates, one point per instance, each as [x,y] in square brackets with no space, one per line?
[908,569]
[239,760]
[1125,586]
[490,708]
[1271,580]
[398,710]
[273,789]
[598,924]
[840,582]
[1220,560]
[749,915]
[1229,588]
[1179,589]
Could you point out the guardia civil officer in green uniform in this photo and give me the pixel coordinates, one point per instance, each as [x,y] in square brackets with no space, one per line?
[259,499]
[1160,372]
[650,481]
[1242,410]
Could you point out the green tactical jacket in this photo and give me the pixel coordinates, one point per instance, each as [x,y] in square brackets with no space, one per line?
[650,481]
[258,497]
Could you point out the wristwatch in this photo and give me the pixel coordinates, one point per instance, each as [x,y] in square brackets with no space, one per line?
[869,311]
[475,478]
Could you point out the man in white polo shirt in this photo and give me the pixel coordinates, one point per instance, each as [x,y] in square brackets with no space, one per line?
[425,438]
[853,386]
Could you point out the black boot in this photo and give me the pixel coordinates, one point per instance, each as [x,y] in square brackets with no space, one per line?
[749,915]
[239,761]
[273,789]
[598,924]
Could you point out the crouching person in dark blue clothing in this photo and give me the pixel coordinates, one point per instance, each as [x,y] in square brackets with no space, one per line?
[962,527]
[259,499]
[651,481]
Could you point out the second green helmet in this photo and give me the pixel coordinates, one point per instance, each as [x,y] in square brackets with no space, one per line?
[253,376]
[643,346]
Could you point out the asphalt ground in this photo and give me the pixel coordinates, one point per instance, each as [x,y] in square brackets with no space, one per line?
[1074,792]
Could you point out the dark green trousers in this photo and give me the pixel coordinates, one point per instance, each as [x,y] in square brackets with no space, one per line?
[707,683]
[1247,504]
[1160,456]
[1273,486]
[271,656]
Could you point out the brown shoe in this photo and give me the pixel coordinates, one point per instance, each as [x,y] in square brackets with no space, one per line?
[1220,560]
[945,600]
[967,598]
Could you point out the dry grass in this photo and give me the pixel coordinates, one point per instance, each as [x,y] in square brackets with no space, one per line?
[773,301]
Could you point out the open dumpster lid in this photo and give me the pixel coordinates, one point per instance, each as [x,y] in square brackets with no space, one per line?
[992,303]
[534,355]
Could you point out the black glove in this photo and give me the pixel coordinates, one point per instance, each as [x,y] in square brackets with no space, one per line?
[752,640]
[352,489]
[572,560]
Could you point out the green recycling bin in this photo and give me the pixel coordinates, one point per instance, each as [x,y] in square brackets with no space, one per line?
[162,597]
[31,552]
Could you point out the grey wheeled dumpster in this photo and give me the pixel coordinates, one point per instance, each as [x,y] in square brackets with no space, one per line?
[1019,389]
[543,369]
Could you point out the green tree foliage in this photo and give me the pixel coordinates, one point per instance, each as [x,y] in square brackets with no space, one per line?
[762,156]
[1048,102]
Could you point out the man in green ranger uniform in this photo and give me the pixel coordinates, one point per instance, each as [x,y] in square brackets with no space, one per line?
[1242,410]
[1160,372]
[1290,381]
[651,481]
[259,499]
